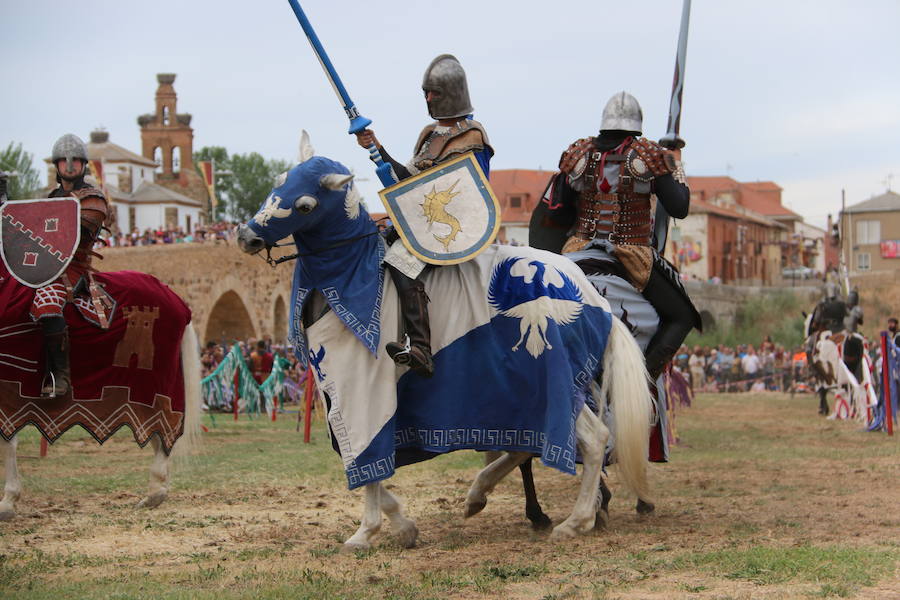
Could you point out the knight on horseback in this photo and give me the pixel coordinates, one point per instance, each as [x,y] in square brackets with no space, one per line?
[597,211]
[453,133]
[70,158]
[830,312]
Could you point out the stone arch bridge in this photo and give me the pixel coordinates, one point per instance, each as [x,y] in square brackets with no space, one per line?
[233,296]
[236,296]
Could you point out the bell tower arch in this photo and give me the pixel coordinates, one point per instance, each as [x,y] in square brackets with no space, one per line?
[167,137]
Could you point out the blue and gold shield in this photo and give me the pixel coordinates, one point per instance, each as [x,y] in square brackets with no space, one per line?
[447,214]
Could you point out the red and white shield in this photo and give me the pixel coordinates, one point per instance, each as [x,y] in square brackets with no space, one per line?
[38,238]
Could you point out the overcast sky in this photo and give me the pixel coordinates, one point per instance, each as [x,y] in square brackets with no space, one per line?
[803,93]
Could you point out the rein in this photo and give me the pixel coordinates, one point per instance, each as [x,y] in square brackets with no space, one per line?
[274,262]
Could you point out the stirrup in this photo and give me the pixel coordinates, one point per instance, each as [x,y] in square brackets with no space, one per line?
[400,351]
[44,385]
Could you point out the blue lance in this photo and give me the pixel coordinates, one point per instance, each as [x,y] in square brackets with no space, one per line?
[357,122]
[672,140]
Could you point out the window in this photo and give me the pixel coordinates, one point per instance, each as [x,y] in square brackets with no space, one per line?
[176,159]
[868,232]
[515,201]
[864,259]
[158,159]
[165,115]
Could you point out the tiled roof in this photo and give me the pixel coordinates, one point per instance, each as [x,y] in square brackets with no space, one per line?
[153,193]
[886,201]
[701,207]
[763,197]
[114,153]
[519,181]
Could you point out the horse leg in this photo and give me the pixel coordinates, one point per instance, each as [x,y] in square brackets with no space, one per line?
[13,488]
[533,510]
[592,435]
[488,477]
[405,528]
[601,518]
[370,523]
[159,477]
[823,401]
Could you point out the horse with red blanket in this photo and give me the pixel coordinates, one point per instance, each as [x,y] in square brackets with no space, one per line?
[142,372]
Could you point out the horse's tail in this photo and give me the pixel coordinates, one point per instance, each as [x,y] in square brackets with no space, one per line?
[625,381]
[190,367]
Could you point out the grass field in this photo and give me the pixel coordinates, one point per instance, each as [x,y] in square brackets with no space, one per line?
[762,499]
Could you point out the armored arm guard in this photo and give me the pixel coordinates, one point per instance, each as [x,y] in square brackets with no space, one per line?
[94,212]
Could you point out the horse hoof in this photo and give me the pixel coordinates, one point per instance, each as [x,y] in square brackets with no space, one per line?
[644,508]
[7,515]
[601,520]
[153,500]
[408,536]
[353,547]
[541,522]
[473,508]
[562,533]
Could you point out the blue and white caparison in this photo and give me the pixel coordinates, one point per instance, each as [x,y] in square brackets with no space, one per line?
[518,337]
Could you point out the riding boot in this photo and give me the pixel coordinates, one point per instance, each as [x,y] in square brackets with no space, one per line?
[676,319]
[57,382]
[415,350]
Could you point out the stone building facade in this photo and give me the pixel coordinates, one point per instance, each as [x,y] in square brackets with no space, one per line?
[870,234]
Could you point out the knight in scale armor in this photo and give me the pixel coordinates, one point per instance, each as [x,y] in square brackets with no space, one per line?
[597,211]
[452,134]
[70,159]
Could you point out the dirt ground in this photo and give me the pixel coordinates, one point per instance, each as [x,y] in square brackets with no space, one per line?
[762,499]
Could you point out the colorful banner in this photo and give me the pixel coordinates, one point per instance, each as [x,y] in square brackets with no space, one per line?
[218,387]
[209,178]
[890,249]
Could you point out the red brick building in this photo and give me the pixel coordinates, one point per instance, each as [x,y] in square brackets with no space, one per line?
[518,191]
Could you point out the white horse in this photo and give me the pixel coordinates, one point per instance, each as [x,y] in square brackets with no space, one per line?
[382,416]
[159,468]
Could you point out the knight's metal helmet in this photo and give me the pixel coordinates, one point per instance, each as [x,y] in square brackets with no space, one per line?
[853,298]
[622,112]
[831,290]
[447,79]
[69,147]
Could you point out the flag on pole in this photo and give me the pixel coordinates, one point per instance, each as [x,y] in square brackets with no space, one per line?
[208,170]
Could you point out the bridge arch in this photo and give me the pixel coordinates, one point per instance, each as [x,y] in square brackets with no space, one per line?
[707,320]
[229,320]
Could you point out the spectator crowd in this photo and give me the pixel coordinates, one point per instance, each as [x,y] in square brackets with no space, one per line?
[212,232]
[745,367]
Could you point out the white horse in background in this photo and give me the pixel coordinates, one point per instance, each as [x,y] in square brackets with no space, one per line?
[160,467]
[316,203]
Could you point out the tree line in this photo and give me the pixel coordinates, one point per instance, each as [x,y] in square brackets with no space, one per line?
[243,182]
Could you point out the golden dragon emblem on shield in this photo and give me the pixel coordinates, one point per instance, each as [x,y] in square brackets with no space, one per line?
[435,212]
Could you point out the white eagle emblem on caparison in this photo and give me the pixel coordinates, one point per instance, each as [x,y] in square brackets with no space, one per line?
[534,294]
[270,210]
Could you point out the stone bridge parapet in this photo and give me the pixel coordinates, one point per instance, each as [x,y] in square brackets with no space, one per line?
[233,296]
